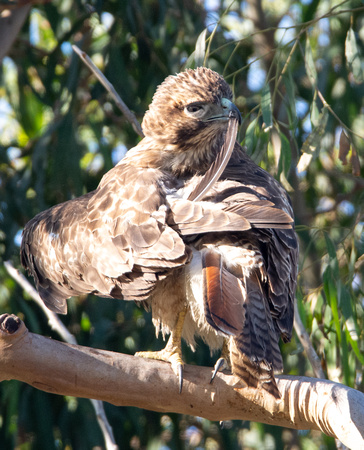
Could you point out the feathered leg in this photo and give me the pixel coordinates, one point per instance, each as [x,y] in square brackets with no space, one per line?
[172,352]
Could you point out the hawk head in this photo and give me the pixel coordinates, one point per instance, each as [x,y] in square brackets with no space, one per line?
[189,114]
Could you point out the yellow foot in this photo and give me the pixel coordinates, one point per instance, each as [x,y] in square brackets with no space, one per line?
[173,356]
[172,353]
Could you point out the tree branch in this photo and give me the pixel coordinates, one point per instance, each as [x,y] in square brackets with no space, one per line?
[53,320]
[11,21]
[66,369]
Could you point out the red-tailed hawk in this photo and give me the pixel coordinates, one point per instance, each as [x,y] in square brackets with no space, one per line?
[211,259]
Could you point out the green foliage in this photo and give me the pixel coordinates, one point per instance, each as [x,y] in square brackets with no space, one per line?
[297,77]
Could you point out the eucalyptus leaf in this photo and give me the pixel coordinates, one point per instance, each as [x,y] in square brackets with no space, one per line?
[310,64]
[250,136]
[353,58]
[313,141]
[200,49]
[284,164]
[266,104]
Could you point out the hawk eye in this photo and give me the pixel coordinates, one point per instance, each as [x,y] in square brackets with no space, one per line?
[194,108]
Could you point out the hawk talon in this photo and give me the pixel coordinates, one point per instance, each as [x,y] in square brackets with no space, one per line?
[177,367]
[224,361]
[220,364]
[180,377]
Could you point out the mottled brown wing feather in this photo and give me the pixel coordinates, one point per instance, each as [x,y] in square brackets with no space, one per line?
[262,214]
[195,217]
[40,247]
[113,242]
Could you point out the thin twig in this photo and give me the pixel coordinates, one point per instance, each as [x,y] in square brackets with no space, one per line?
[110,88]
[306,344]
[56,324]
[53,320]
[104,424]
[322,98]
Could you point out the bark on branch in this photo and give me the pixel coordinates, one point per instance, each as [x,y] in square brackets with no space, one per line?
[65,369]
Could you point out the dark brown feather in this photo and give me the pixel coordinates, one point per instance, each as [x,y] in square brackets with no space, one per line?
[262,214]
[191,218]
[255,375]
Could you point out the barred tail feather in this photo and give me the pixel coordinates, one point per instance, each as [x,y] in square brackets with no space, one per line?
[255,353]
[257,374]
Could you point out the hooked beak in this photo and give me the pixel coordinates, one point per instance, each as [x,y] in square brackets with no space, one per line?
[231,110]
